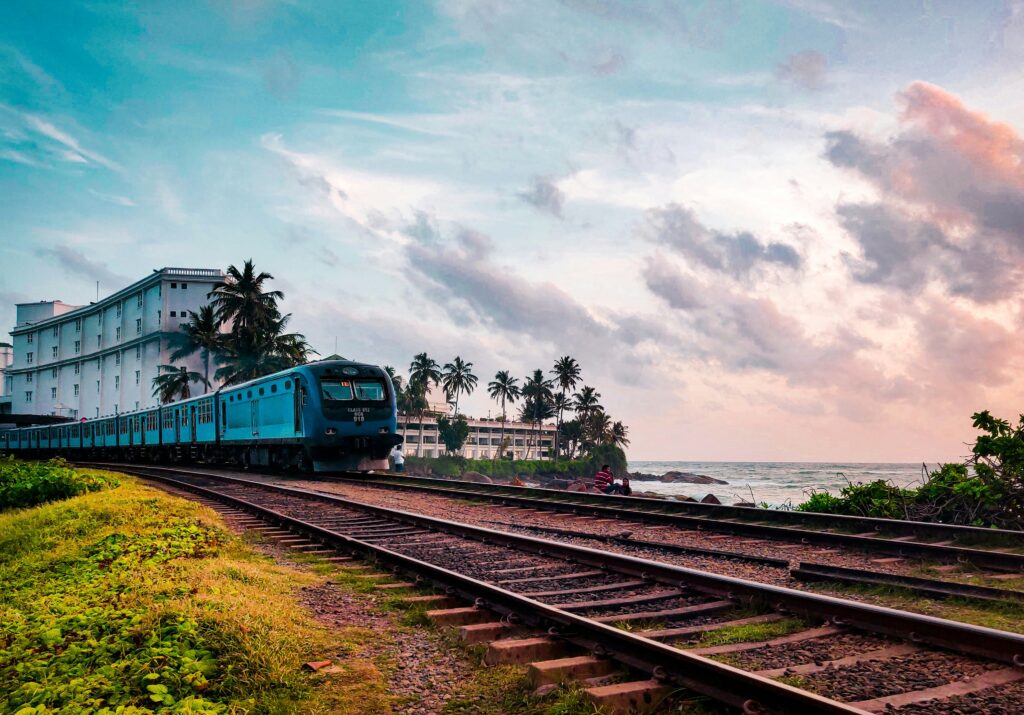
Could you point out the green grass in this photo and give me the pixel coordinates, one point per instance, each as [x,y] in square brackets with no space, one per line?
[749,633]
[28,484]
[1002,616]
[133,599]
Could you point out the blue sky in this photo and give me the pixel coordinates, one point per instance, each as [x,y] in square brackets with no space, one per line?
[768,230]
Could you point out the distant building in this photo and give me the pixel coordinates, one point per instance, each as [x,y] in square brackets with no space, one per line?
[484,441]
[99,359]
[6,358]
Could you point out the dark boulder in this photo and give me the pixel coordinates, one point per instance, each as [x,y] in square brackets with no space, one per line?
[710,499]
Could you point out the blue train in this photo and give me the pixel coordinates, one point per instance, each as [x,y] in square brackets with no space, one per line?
[332,415]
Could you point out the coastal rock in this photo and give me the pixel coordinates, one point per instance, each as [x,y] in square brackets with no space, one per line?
[683,497]
[710,499]
[680,477]
[476,477]
[578,486]
[744,503]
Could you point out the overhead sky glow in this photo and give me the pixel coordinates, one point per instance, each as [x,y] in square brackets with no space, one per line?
[787,230]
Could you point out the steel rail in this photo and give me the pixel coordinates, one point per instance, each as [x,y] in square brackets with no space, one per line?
[950,635]
[983,558]
[751,692]
[903,527]
[929,587]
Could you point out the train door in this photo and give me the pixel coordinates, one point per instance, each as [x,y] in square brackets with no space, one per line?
[192,423]
[299,402]
[177,425]
[254,414]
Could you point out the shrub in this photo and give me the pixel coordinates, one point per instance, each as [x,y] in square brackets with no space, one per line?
[26,484]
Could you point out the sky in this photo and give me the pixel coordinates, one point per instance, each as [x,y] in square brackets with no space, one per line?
[788,230]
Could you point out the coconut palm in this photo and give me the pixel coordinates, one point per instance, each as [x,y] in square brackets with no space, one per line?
[457,379]
[201,334]
[247,355]
[396,379]
[537,395]
[241,300]
[619,434]
[586,402]
[567,375]
[423,370]
[599,425]
[505,389]
[172,383]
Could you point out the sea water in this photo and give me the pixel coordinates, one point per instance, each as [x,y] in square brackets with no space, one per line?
[777,483]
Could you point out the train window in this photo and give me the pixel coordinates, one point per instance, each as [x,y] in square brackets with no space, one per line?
[336,389]
[248,394]
[273,388]
[369,390]
[223,414]
[261,390]
[287,384]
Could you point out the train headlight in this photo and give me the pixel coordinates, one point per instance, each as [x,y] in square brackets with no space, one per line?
[384,430]
[331,431]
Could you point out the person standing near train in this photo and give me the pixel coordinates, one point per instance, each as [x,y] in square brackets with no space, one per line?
[398,458]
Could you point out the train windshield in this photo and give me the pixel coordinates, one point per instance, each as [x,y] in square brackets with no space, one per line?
[369,390]
[336,389]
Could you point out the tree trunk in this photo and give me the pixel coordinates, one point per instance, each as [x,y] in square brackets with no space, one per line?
[206,371]
[501,440]
[419,445]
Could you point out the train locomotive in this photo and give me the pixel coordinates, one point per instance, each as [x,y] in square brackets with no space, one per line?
[331,415]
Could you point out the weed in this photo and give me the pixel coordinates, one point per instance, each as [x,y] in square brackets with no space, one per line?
[750,633]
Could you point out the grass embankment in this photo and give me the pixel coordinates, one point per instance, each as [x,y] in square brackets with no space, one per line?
[133,601]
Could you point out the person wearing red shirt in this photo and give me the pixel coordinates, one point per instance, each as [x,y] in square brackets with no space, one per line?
[604,482]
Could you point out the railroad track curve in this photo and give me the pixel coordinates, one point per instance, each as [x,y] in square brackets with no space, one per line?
[836,656]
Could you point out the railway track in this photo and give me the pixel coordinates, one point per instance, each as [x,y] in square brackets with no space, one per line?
[599,612]
[997,550]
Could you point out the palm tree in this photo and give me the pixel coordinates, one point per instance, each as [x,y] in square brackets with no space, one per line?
[173,383]
[247,355]
[200,334]
[396,379]
[567,375]
[620,434]
[537,393]
[241,299]
[409,401]
[458,378]
[423,370]
[586,401]
[503,388]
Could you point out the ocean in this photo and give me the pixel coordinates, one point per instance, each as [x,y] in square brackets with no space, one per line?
[777,483]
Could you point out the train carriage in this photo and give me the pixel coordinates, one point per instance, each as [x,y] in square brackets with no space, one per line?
[323,416]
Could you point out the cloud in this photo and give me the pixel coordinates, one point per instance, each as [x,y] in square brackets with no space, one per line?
[737,254]
[74,152]
[75,263]
[951,206]
[113,198]
[679,291]
[807,69]
[544,195]
[281,75]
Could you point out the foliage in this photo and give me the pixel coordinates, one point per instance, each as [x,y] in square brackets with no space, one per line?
[133,601]
[173,383]
[26,484]
[201,334]
[453,432]
[986,491]
[458,379]
[454,466]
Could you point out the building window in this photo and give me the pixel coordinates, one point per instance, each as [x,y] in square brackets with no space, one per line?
[138,352]
[30,358]
[174,285]
[53,373]
[97,386]
[78,325]
[138,325]
[136,404]
[54,349]
[28,395]
[117,358]
[115,408]
[28,379]
[184,286]
[76,389]
[99,340]
[118,308]
[53,393]
[138,377]
[56,331]
[30,338]
[138,300]
[174,314]
[117,334]
[78,368]
[117,382]
[78,347]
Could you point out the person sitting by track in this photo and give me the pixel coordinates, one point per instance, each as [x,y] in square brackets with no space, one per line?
[604,481]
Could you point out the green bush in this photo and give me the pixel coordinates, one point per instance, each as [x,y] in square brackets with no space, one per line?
[453,466]
[26,484]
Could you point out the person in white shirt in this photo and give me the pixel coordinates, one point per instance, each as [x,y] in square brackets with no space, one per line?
[398,458]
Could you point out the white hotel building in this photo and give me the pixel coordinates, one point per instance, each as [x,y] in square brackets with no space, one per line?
[484,441]
[100,359]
